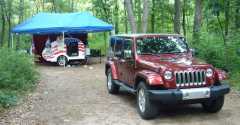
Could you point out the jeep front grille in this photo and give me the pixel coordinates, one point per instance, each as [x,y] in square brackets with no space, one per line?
[190,78]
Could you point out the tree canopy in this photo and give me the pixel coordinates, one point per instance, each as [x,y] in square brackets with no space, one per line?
[212,26]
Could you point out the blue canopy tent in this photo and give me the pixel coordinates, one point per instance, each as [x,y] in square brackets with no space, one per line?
[45,25]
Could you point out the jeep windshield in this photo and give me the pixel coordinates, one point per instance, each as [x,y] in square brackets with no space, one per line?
[161,45]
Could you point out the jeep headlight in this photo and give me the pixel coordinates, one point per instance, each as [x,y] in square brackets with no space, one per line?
[209,73]
[168,75]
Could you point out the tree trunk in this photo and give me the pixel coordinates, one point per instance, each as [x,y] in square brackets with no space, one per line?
[54,9]
[125,20]
[177,14]
[9,17]
[162,21]
[9,32]
[226,14]
[37,7]
[131,17]
[72,5]
[184,18]
[2,35]
[237,14]
[224,42]
[43,5]
[3,19]
[153,16]
[145,16]
[138,6]
[21,12]
[188,19]
[197,21]
[106,11]
[116,13]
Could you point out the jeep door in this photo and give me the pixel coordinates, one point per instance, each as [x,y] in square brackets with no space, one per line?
[126,62]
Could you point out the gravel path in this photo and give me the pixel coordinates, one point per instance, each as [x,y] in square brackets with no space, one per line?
[78,96]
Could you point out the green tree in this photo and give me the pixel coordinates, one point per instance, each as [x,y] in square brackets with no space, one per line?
[197,21]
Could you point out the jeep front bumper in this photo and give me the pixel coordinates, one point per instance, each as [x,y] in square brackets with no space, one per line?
[192,94]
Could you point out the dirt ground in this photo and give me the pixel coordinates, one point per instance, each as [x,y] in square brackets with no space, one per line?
[78,96]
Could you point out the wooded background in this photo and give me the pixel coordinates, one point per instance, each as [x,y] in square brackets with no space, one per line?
[210,26]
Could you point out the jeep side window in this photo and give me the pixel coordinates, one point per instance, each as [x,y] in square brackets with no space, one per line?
[127,49]
[118,48]
[111,47]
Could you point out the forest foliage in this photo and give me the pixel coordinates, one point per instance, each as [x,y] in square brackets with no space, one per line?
[211,26]
[18,75]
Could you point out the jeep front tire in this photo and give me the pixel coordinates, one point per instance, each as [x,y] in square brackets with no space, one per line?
[112,87]
[146,108]
[213,106]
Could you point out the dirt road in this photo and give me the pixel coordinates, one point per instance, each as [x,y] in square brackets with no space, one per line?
[78,96]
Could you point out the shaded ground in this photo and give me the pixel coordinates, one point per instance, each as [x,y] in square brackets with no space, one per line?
[78,96]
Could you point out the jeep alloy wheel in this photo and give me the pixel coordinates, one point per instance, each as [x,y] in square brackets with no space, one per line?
[111,86]
[146,108]
[141,100]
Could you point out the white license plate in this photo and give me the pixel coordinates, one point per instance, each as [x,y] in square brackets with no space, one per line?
[195,93]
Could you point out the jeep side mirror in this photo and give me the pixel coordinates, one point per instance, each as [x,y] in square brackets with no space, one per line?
[127,54]
[194,51]
[238,51]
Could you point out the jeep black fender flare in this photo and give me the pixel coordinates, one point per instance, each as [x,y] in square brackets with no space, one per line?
[150,77]
[111,65]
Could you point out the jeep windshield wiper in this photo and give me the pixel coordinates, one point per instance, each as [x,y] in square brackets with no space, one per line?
[172,52]
[153,54]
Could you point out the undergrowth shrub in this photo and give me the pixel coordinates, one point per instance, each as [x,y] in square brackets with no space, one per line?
[17,76]
[97,41]
[212,49]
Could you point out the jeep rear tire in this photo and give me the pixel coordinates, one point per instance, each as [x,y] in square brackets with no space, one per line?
[213,106]
[146,108]
[112,87]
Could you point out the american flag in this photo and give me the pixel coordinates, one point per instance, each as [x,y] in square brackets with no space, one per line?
[57,50]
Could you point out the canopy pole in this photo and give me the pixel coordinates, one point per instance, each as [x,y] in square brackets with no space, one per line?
[12,40]
[63,36]
[105,43]
[63,44]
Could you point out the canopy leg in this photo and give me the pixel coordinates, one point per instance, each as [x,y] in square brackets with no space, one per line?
[63,36]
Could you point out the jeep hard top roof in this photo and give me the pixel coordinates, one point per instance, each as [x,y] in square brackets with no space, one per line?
[146,34]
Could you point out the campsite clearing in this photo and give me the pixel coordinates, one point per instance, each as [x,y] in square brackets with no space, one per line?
[78,96]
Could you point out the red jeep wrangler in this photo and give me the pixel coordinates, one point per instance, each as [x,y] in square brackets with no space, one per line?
[161,68]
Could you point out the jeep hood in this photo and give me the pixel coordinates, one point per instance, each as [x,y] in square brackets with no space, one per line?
[171,61]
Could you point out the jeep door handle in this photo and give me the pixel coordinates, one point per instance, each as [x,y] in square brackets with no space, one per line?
[122,61]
